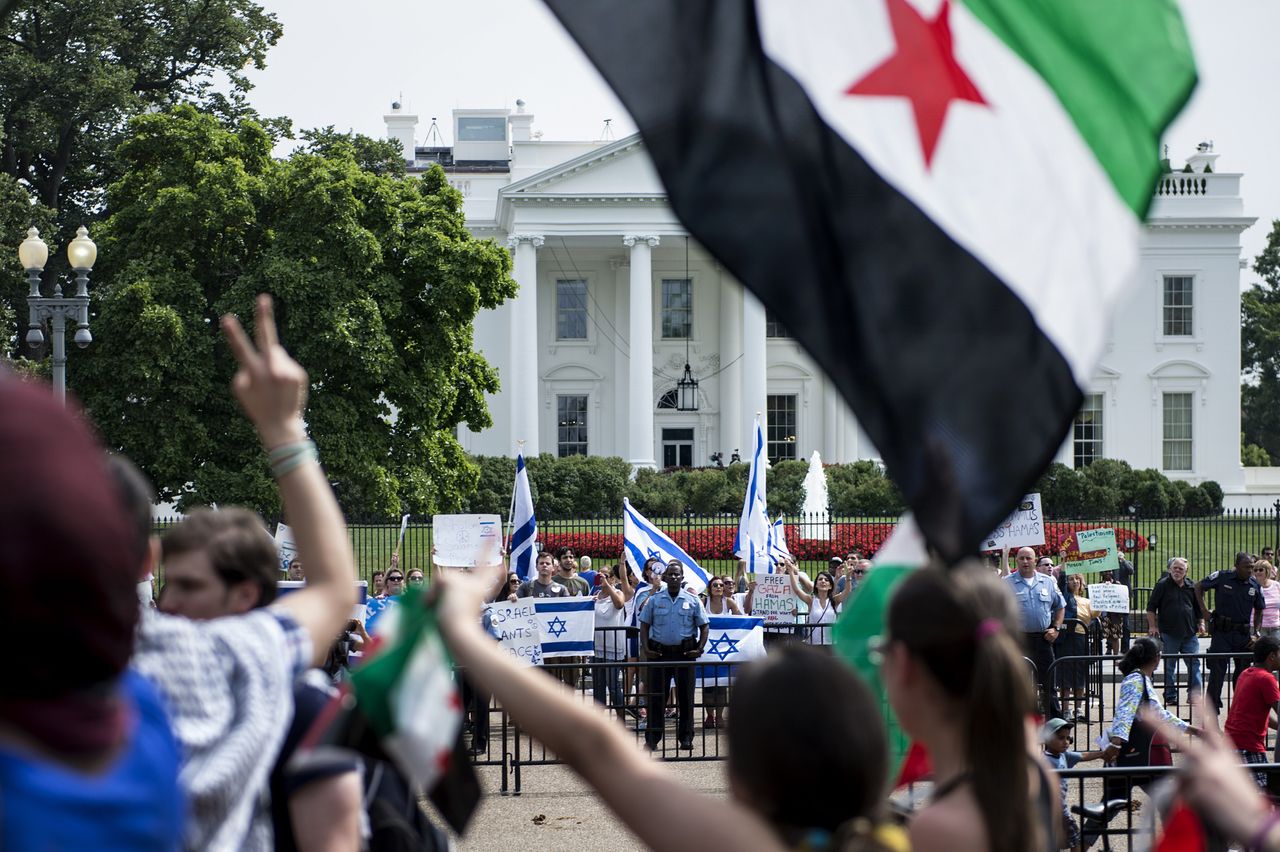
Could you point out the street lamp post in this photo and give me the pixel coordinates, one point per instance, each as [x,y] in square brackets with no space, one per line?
[58,309]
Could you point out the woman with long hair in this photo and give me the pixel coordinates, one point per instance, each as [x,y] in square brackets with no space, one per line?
[1265,573]
[714,698]
[957,681]
[798,716]
[824,604]
[610,618]
[1073,641]
[1133,740]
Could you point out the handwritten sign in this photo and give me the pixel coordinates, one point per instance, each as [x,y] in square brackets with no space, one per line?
[519,631]
[774,600]
[1109,597]
[459,539]
[1097,552]
[1024,528]
[285,546]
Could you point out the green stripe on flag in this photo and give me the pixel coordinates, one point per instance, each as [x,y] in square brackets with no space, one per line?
[861,623]
[375,680]
[1122,70]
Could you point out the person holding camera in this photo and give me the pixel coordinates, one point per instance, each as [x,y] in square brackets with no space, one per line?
[673,628]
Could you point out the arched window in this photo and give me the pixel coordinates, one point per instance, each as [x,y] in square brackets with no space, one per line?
[668,400]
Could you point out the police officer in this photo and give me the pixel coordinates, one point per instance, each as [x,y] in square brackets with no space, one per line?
[1237,617]
[1042,608]
[673,628]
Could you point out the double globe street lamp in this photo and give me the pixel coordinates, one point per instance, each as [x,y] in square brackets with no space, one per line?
[58,309]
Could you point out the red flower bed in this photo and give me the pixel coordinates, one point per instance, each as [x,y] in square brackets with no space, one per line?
[866,538]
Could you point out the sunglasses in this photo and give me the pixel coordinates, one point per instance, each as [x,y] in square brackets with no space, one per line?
[417,579]
[396,579]
[858,572]
[514,581]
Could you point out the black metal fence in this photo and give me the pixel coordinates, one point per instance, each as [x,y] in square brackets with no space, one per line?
[1208,543]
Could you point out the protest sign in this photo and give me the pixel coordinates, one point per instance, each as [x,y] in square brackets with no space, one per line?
[1109,597]
[774,600]
[285,546]
[457,540]
[519,630]
[1097,552]
[1024,528]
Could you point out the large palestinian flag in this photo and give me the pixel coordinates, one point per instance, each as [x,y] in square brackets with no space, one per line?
[941,199]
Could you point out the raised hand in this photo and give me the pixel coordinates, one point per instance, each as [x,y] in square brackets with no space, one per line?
[270,385]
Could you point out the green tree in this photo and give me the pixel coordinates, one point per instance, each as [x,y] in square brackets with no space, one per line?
[72,74]
[376,280]
[1260,350]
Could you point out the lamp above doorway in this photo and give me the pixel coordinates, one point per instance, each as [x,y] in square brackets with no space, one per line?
[687,387]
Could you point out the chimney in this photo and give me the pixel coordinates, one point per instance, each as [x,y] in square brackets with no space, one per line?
[400,128]
[521,123]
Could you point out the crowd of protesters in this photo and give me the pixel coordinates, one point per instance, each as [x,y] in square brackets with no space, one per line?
[180,725]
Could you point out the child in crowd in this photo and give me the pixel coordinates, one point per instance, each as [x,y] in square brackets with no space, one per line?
[1056,735]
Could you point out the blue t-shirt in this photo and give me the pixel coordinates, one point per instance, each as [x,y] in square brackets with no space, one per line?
[135,804]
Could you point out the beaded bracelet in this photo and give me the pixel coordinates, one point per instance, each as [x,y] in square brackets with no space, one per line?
[286,458]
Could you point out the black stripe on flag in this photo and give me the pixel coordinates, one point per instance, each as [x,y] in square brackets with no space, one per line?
[949,376]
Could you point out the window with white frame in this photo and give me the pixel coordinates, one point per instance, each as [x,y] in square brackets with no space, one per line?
[1087,433]
[571,425]
[773,326]
[780,434]
[1178,306]
[677,308]
[571,309]
[1178,431]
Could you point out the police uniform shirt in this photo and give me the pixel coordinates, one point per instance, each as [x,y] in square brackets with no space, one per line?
[1234,599]
[1038,599]
[671,621]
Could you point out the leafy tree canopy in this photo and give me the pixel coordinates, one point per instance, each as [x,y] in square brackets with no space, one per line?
[1260,351]
[72,74]
[376,281]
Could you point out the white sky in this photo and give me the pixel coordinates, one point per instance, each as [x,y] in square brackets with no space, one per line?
[336,67]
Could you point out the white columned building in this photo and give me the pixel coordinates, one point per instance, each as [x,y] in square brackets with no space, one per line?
[615,298]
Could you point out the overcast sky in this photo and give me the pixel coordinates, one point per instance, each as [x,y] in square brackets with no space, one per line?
[342,64]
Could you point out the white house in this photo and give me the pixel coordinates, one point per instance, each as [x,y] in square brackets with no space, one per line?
[603,263]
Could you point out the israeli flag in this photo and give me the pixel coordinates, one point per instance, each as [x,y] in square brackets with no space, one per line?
[568,627]
[730,639]
[524,531]
[778,550]
[751,544]
[641,540]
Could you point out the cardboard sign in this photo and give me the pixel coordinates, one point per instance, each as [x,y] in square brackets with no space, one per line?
[459,539]
[1097,552]
[285,546]
[1109,597]
[1024,528]
[519,630]
[774,601]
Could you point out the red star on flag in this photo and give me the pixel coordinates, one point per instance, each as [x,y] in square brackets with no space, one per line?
[923,70]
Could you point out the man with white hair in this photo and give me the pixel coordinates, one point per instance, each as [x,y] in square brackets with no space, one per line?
[1042,608]
[1174,614]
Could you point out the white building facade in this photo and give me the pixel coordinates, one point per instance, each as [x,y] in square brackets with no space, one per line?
[615,300]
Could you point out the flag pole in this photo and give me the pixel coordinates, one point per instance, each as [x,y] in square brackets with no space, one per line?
[511,510]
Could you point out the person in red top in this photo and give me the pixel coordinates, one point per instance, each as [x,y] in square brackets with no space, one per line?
[1251,710]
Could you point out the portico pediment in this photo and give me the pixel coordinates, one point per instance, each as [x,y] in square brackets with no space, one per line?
[614,172]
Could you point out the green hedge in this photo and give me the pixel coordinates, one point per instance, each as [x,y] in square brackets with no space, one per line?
[1109,488]
[591,486]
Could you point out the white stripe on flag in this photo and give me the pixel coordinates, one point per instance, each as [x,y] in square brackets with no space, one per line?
[568,626]
[730,639]
[525,533]
[751,544]
[641,540]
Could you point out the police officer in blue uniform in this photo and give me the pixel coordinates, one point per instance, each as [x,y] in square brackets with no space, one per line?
[1042,608]
[1237,617]
[673,628]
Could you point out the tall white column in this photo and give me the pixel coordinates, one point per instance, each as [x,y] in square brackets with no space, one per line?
[754,371]
[732,426]
[640,343]
[521,380]
[621,357]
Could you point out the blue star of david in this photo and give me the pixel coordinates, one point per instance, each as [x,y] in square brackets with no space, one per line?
[556,627]
[730,647]
[653,554]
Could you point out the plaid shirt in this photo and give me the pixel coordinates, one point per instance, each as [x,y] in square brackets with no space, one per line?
[228,687]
